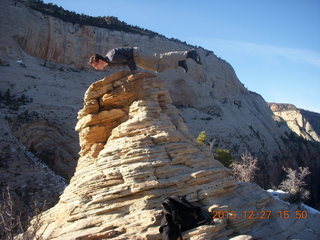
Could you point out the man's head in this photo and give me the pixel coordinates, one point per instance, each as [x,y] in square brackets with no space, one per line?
[98,62]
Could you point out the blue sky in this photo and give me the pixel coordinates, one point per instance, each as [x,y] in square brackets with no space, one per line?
[273,45]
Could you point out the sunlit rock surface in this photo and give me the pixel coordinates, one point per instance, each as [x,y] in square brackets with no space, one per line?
[136,152]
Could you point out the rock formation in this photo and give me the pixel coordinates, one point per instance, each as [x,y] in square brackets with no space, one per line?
[45,141]
[135,151]
[313,118]
[209,97]
[26,177]
[44,58]
[296,120]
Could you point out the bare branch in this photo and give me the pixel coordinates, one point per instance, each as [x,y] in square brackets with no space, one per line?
[294,184]
[11,224]
[244,170]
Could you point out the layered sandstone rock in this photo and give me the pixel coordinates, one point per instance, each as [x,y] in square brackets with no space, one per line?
[295,120]
[210,97]
[313,118]
[45,141]
[135,151]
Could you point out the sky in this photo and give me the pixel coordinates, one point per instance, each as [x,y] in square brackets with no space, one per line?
[273,45]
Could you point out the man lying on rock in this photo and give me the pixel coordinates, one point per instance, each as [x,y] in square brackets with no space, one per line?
[135,56]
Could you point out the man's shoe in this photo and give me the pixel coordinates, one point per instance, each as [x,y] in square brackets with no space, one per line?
[194,55]
[183,64]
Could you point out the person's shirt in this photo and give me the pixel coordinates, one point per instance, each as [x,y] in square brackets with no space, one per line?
[121,56]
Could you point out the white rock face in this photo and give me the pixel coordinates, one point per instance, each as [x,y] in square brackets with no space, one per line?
[143,154]
[296,121]
[210,97]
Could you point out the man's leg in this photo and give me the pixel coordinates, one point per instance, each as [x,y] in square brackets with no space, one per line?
[194,55]
[170,60]
[183,64]
[159,62]
[145,59]
[173,60]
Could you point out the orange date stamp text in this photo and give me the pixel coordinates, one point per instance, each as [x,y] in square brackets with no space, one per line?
[259,214]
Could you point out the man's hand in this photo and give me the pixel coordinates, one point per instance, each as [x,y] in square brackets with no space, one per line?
[100,65]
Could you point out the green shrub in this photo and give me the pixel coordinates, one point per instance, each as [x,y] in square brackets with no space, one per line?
[224,156]
[202,138]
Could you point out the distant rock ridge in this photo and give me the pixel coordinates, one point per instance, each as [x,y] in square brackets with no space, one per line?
[298,120]
[275,107]
[135,151]
[313,118]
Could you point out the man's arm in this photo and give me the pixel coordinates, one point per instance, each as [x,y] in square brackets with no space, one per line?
[131,64]
[121,56]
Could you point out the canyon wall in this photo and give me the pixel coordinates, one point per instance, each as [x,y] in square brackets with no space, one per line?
[137,152]
[54,73]
[304,123]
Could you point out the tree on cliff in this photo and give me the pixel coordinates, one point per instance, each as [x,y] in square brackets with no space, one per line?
[202,138]
[12,222]
[245,169]
[109,22]
[224,156]
[294,184]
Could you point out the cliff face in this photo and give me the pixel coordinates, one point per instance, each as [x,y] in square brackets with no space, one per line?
[313,118]
[136,152]
[209,96]
[304,123]
[54,74]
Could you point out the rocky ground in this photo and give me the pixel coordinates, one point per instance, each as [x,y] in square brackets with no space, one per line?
[44,75]
[136,152]
[39,147]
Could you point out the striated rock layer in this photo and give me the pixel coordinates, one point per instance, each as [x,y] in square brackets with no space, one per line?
[210,96]
[135,151]
[297,120]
